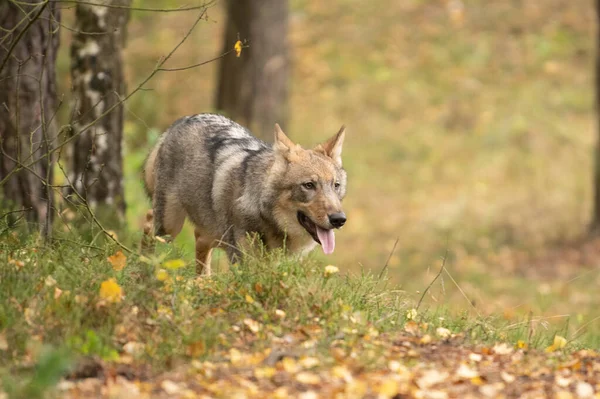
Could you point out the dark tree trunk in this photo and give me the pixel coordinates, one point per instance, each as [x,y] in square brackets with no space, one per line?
[27,106]
[98,84]
[253,89]
[595,226]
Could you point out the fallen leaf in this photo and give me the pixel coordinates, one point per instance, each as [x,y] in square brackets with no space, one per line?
[170,387]
[308,378]
[280,314]
[411,314]
[50,281]
[309,362]
[559,343]
[443,332]
[584,390]
[330,270]
[133,348]
[174,264]
[466,372]
[162,275]
[110,291]
[502,349]
[425,339]
[430,378]
[252,325]
[118,260]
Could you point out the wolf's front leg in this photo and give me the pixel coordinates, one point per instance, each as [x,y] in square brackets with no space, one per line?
[204,248]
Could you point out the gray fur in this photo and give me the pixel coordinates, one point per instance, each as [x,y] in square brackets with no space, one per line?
[228,183]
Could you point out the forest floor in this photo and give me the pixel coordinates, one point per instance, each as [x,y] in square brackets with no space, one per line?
[85,320]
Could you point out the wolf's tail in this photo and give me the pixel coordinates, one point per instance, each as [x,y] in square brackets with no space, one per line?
[150,169]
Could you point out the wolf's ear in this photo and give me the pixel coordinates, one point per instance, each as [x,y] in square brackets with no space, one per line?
[333,147]
[282,143]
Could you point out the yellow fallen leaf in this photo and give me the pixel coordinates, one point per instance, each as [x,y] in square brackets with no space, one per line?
[411,314]
[289,365]
[388,389]
[118,260]
[306,377]
[425,339]
[162,275]
[264,372]
[559,343]
[174,264]
[443,332]
[252,325]
[111,291]
[235,356]
[249,299]
[280,314]
[309,362]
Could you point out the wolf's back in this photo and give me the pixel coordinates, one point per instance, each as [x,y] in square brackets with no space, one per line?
[204,153]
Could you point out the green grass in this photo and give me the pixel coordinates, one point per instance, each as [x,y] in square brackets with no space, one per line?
[52,312]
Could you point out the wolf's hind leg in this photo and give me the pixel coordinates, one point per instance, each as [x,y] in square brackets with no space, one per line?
[169,215]
[204,247]
[147,244]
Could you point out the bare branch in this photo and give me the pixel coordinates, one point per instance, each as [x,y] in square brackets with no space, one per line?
[90,3]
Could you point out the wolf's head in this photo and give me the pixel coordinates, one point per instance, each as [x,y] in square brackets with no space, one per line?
[311,185]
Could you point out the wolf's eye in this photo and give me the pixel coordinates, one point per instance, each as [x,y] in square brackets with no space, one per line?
[309,185]
[336,184]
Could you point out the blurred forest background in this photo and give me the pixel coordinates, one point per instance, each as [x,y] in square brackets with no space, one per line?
[470,132]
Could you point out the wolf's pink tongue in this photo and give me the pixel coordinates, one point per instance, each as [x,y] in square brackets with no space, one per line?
[327,239]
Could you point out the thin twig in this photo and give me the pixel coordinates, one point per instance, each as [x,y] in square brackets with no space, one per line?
[89,3]
[388,259]
[462,292]
[435,278]
[196,65]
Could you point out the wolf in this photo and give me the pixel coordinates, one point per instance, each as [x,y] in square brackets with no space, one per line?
[231,186]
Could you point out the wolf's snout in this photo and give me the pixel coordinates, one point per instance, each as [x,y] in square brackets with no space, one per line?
[337,220]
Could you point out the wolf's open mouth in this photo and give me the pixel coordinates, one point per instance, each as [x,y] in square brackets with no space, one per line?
[325,237]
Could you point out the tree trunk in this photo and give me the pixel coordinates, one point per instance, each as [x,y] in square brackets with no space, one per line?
[595,226]
[253,89]
[28,106]
[98,84]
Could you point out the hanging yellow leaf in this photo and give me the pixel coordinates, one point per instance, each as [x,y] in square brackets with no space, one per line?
[238,48]
[174,264]
[118,260]
[111,291]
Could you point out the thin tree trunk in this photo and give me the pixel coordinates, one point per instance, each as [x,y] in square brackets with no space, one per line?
[253,89]
[595,225]
[28,106]
[98,84]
